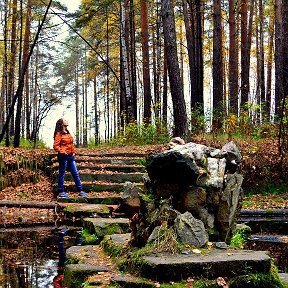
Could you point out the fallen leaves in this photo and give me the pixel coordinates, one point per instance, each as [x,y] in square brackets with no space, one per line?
[222,282]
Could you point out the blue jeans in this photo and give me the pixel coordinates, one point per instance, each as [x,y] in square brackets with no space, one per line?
[68,161]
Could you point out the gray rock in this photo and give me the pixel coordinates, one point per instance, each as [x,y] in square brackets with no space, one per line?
[191,230]
[172,167]
[231,152]
[155,234]
[226,263]
[193,151]
[221,245]
[216,170]
[229,204]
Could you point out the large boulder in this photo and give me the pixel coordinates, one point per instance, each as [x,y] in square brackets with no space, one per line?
[193,188]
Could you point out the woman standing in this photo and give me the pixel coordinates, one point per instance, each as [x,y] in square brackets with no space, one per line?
[63,144]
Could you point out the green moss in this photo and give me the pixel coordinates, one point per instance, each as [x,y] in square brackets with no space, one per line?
[240,236]
[73,260]
[88,239]
[259,280]
[194,284]
[111,248]
[108,229]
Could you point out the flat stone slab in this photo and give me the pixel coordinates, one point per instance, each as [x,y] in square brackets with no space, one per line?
[86,209]
[270,238]
[106,226]
[129,281]
[108,177]
[107,198]
[214,264]
[120,239]
[84,254]
[75,274]
[98,186]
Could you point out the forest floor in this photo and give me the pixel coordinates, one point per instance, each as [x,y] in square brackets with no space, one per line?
[260,161]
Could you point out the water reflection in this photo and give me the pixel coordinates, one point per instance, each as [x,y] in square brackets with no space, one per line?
[33,259]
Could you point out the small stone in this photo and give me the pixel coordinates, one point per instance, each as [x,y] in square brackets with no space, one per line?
[221,245]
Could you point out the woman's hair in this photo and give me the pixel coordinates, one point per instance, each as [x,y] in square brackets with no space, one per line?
[59,126]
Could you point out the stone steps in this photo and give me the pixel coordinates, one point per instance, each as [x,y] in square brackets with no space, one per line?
[110,160]
[101,226]
[112,167]
[102,172]
[211,265]
[102,197]
[88,263]
[114,154]
[91,265]
[99,186]
[265,220]
[107,176]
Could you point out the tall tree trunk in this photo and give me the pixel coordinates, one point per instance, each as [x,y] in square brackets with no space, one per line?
[285,47]
[2,99]
[129,108]
[35,96]
[199,52]
[181,55]
[84,103]
[279,92]
[77,116]
[157,67]
[12,57]
[283,135]
[165,96]
[244,53]
[190,39]
[27,113]
[96,134]
[107,79]
[233,60]
[261,54]
[25,59]
[133,58]
[146,61]
[123,104]
[179,107]
[217,59]
[5,75]
[269,61]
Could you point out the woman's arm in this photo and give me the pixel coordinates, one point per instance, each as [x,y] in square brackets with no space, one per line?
[57,141]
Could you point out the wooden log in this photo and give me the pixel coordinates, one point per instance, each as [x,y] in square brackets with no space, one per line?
[28,204]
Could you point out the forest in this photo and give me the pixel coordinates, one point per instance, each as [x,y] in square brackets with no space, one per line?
[146,69]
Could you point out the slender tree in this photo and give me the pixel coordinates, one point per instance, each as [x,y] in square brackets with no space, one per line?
[179,107]
[125,64]
[279,89]
[270,60]
[146,61]
[25,66]
[189,20]
[233,59]
[244,53]
[217,58]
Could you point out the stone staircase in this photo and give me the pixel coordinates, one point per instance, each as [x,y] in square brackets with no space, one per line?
[103,176]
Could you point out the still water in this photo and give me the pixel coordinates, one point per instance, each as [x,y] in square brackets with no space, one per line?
[34,257]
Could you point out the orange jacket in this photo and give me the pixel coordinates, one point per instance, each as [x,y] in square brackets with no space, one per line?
[63,143]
